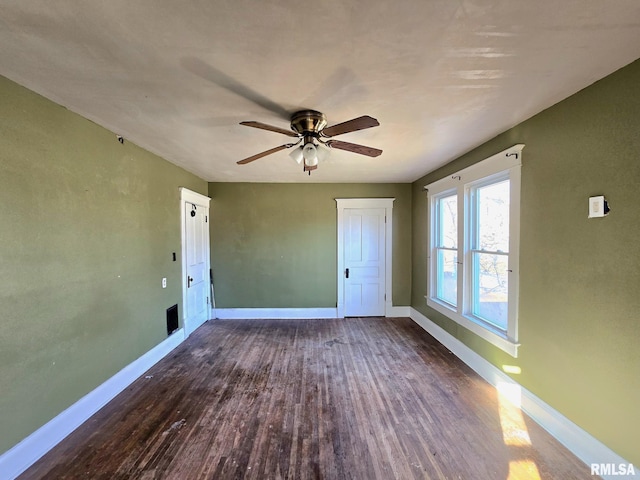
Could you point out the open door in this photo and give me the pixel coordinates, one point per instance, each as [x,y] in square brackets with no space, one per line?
[195,260]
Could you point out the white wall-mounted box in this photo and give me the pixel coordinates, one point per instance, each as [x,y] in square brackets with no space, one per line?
[597,206]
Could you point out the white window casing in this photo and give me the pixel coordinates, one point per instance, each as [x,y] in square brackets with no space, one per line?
[464,184]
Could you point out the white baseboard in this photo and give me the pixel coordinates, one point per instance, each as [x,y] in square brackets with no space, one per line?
[28,451]
[273,313]
[294,313]
[582,444]
[397,311]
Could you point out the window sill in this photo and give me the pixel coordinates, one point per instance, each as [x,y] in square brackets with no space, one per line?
[495,338]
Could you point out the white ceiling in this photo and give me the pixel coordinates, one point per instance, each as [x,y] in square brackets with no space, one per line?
[441,76]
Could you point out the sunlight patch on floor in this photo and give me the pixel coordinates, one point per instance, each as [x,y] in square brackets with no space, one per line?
[523,469]
[514,430]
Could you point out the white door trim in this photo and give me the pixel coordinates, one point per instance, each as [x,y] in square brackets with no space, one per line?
[346,203]
[189,197]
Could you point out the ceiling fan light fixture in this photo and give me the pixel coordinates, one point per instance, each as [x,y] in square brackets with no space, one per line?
[323,152]
[310,154]
[296,154]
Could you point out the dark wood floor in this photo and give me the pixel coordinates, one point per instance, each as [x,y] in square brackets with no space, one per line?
[368,398]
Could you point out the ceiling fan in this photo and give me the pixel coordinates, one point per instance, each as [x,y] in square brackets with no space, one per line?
[310,128]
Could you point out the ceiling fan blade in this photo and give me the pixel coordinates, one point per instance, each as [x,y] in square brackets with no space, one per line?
[264,154]
[355,148]
[271,128]
[218,77]
[359,123]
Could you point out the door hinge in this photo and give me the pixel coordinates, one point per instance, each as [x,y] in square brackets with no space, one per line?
[385,219]
[206,219]
[385,297]
[207,300]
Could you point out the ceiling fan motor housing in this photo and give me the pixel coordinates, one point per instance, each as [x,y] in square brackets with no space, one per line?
[308,122]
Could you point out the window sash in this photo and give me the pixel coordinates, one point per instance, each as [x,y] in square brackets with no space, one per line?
[492,307]
[475,308]
[446,280]
[488,295]
[441,240]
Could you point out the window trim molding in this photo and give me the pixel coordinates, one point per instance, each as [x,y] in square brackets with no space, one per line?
[508,161]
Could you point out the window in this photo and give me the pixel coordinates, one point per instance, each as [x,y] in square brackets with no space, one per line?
[473,247]
[446,249]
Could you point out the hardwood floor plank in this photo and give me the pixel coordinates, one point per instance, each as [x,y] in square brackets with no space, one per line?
[357,398]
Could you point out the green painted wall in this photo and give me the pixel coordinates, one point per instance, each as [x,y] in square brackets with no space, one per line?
[87,228]
[580,278]
[274,245]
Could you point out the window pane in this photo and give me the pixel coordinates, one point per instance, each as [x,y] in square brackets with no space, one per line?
[490,288]
[447,276]
[448,222]
[493,217]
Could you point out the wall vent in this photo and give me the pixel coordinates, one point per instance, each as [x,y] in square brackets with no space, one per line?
[172,319]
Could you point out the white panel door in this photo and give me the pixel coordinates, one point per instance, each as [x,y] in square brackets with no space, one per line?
[364,262]
[197,265]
